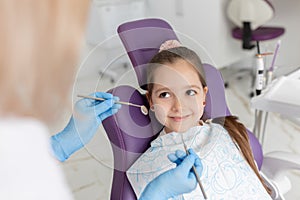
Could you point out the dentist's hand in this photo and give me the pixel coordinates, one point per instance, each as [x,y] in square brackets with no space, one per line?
[87,116]
[176,181]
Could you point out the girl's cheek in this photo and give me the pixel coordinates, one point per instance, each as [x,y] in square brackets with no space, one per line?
[201,109]
[160,113]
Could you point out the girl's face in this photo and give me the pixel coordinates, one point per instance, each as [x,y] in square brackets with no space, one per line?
[178,96]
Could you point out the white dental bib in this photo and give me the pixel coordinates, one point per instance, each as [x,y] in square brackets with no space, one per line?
[226,174]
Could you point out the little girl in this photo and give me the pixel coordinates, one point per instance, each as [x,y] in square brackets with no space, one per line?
[176,94]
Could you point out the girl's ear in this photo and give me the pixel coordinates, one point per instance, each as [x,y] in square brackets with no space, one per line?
[205,90]
[148,96]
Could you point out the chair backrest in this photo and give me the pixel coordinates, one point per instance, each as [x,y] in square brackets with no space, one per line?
[131,132]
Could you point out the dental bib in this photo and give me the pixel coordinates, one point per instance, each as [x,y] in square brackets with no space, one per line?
[226,174]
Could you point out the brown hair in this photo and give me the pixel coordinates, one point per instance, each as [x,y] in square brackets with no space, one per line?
[236,130]
[40,43]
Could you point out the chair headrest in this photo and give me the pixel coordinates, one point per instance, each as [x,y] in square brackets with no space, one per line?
[142,39]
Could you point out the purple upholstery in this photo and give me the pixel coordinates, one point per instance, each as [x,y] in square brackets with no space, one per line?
[260,34]
[216,105]
[256,149]
[129,131]
[142,39]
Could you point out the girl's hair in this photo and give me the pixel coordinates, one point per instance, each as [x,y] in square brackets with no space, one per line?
[40,43]
[236,130]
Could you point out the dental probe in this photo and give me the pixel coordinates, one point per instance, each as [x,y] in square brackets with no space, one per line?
[195,171]
[143,108]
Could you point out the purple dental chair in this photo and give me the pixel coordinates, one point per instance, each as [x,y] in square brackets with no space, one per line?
[129,131]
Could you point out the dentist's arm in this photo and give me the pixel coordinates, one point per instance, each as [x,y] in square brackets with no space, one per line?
[87,116]
[176,181]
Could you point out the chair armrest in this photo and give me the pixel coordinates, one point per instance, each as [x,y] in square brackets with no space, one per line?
[276,164]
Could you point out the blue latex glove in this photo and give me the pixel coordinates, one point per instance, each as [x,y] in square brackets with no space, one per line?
[176,181]
[84,123]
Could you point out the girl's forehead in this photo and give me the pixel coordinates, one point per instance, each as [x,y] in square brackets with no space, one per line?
[179,72]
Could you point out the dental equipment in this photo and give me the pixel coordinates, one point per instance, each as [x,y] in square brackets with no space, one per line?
[259,73]
[143,108]
[269,80]
[260,68]
[275,55]
[258,115]
[194,170]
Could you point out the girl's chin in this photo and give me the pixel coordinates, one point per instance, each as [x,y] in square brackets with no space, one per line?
[177,130]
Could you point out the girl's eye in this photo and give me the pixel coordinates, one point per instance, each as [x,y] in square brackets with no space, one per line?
[191,92]
[164,95]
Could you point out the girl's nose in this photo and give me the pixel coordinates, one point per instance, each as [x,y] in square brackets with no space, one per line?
[177,105]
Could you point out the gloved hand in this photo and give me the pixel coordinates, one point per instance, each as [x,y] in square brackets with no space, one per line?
[175,181]
[87,116]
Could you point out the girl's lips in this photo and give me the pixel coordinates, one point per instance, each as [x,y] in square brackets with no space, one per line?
[179,119]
